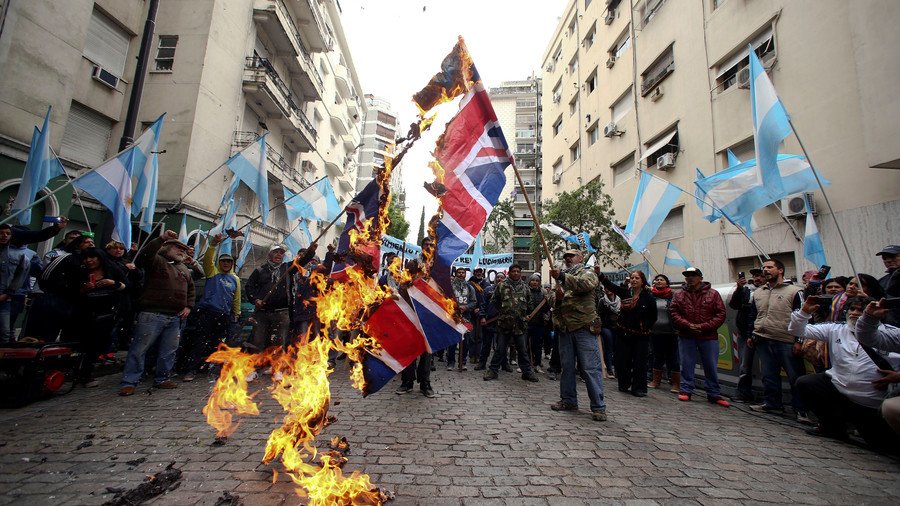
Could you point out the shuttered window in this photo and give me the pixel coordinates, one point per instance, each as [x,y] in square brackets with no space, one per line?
[106,44]
[672,227]
[86,138]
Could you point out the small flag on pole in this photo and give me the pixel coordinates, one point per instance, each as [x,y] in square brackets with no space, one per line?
[770,126]
[145,167]
[315,202]
[250,167]
[674,257]
[183,232]
[41,167]
[813,249]
[245,250]
[652,203]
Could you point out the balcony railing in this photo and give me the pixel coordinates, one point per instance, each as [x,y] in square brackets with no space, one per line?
[242,139]
[259,63]
[304,121]
[298,39]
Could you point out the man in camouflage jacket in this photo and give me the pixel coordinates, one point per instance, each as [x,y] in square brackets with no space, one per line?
[574,313]
[511,298]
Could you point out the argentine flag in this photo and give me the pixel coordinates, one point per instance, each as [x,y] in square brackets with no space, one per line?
[315,202]
[813,249]
[770,127]
[674,257]
[183,232]
[250,167]
[145,167]
[652,203]
[41,167]
[297,239]
[245,251]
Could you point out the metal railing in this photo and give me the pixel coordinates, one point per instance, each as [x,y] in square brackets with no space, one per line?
[260,63]
[295,33]
[242,139]
[310,129]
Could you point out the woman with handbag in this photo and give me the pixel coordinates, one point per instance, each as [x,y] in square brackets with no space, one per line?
[636,318]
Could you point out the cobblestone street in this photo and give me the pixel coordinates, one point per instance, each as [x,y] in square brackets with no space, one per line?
[475,443]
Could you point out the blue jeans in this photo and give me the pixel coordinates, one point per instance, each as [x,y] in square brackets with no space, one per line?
[708,350]
[608,334]
[499,358]
[745,380]
[583,344]
[774,356]
[6,333]
[452,351]
[150,328]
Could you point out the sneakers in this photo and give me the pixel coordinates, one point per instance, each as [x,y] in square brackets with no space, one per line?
[563,406]
[91,383]
[684,397]
[403,389]
[599,415]
[538,370]
[490,374]
[187,378]
[126,391]
[803,418]
[530,377]
[166,385]
[451,368]
[719,401]
[518,370]
[428,392]
[765,408]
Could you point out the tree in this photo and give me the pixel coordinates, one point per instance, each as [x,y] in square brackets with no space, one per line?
[498,228]
[420,237]
[399,227]
[586,209]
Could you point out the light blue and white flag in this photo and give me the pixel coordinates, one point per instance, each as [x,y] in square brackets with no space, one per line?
[245,250]
[315,202]
[41,167]
[652,203]
[182,232]
[197,237]
[229,193]
[298,238]
[582,239]
[709,211]
[145,168]
[110,184]
[228,219]
[674,257]
[736,191]
[770,126]
[478,252]
[250,167]
[813,249]
[732,159]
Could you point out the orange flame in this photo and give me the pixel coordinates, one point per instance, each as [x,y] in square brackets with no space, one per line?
[230,391]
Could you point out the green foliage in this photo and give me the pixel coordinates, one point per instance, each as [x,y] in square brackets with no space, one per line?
[399,227]
[586,209]
[498,228]
[421,235]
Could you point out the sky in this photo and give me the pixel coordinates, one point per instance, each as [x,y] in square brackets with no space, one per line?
[397,45]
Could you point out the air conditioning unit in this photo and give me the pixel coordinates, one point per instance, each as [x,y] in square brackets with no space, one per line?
[656,94]
[666,161]
[610,17]
[743,77]
[796,204]
[610,62]
[557,176]
[106,77]
[557,97]
[768,60]
[611,130]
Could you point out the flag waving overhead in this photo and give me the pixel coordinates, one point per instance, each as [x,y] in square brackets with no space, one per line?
[652,203]
[145,167]
[182,232]
[41,167]
[732,159]
[250,167]
[674,257]
[110,184]
[315,202]
[770,126]
[298,238]
[709,211]
[245,251]
[813,249]
[363,207]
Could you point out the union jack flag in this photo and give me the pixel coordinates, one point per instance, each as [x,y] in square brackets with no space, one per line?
[474,155]
[363,207]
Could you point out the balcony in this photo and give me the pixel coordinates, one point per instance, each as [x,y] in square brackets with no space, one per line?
[345,183]
[313,28]
[349,143]
[267,234]
[342,81]
[353,107]
[273,17]
[337,122]
[279,166]
[332,169]
[266,88]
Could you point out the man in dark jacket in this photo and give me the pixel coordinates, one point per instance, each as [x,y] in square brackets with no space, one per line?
[165,303]
[698,312]
[270,289]
[890,255]
[742,302]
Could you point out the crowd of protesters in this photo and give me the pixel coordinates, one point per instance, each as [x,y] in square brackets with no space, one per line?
[170,312]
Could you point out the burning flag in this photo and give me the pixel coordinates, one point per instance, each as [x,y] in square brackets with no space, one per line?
[452,81]
[364,207]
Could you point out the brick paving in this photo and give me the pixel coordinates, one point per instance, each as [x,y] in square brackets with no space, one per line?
[476,443]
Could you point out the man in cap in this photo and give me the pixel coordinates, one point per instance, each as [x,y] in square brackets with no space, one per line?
[165,303]
[698,312]
[219,306]
[890,255]
[575,309]
[270,289]
[741,302]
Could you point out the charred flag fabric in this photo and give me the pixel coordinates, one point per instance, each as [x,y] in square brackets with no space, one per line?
[405,328]
[363,207]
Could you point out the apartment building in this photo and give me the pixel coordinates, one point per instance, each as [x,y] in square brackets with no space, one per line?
[223,72]
[663,87]
[379,135]
[517,105]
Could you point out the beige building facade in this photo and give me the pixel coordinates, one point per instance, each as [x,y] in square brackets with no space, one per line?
[224,72]
[661,86]
[379,133]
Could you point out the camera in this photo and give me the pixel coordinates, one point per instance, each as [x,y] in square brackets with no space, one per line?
[742,275]
[823,272]
[52,219]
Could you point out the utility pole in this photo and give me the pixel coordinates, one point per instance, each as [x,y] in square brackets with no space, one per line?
[137,86]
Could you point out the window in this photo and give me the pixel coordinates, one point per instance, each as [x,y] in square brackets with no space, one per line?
[573,105]
[524,133]
[728,72]
[672,227]
[593,134]
[591,37]
[524,119]
[573,65]
[525,148]
[165,52]
[106,44]
[621,107]
[743,151]
[591,84]
[557,125]
[386,118]
[649,10]
[665,143]
[623,171]
[557,92]
[621,45]
[383,131]
[525,102]
[572,26]
[86,138]
[658,70]
[587,4]
[557,170]
[575,152]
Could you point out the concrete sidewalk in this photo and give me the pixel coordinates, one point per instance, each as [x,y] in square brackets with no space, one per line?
[477,442]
